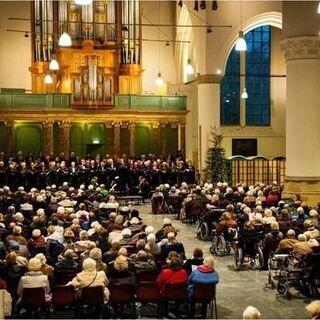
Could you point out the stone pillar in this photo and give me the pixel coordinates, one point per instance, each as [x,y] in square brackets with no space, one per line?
[9,136]
[208,93]
[302,52]
[155,138]
[132,145]
[48,137]
[182,138]
[117,132]
[64,138]
[163,142]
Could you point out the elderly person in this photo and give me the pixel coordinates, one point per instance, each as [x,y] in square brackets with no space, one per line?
[286,245]
[144,263]
[90,277]
[302,247]
[172,245]
[96,255]
[197,260]
[67,262]
[46,269]
[16,236]
[203,274]
[112,253]
[151,246]
[251,313]
[34,278]
[312,232]
[313,309]
[36,240]
[119,271]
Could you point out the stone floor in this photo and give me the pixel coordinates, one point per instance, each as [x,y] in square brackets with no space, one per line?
[237,289]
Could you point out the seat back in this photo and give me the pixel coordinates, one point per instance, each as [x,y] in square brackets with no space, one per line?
[62,278]
[121,293]
[92,296]
[63,295]
[175,291]
[147,291]
[204,292]
[33,297]
[147,276]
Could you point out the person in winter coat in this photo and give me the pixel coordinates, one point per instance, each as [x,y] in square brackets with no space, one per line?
[204,274]
[34,279]
[90,277]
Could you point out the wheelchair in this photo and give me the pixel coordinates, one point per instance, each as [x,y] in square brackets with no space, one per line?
[223,241]
[207,222]
[301,274]
[275,263]
[248,250]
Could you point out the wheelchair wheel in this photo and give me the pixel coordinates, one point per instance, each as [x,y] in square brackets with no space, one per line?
[260,259]
[220,247]
[238,258]
[282,286]
[204,231]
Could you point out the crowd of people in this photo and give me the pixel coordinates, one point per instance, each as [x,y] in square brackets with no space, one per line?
[76,225]
[128,175]
[45,234]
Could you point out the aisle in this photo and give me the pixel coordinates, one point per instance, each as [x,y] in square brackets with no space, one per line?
[236,290]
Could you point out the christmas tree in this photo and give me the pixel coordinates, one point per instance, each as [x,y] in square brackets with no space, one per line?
[216,166]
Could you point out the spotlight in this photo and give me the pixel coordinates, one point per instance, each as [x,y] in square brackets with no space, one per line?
[209,30]
[203,5]
[167,44]
[125,28]
[26,35]
[180,3]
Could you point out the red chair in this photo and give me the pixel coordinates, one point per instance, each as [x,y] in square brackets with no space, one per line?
[121,295]
[205,294]
[63,296]
[148,292]
[92,297]
[33,299]
[174,292]
[147,276]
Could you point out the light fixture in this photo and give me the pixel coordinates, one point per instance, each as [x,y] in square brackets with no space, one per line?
[189,68]
[159,80]
[65,40]
[83,2]
[319,8]
[241,44]
[54,65]
[218,71]
[48,79]
[244,94]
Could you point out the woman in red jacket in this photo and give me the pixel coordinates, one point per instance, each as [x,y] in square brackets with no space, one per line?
[174,273]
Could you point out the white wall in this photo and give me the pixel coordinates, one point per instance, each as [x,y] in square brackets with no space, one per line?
[15,49]
[156,56]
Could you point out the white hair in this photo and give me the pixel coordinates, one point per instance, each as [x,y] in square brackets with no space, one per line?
[151,238]
[149,229]
[251,313]
[36,233]
[126,232]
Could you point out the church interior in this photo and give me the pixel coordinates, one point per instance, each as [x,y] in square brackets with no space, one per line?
[109,102]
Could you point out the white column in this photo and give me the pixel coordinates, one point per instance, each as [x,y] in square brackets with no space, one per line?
[208,112]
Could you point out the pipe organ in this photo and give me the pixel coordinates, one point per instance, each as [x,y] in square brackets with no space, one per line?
[105,56]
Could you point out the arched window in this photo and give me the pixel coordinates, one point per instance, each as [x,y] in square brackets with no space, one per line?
[250,70]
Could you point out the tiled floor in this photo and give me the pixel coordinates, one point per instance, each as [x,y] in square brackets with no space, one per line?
[237,289]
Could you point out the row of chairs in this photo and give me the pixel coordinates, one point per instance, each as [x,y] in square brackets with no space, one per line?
[120,295]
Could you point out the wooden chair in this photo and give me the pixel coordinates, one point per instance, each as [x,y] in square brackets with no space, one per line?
[205,293]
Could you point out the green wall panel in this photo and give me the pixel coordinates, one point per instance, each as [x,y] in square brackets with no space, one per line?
[77,139]
[28,138]
[143,139]
[2,137]
[55,138]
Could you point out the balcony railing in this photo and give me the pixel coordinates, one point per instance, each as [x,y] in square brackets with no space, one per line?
[18,99]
